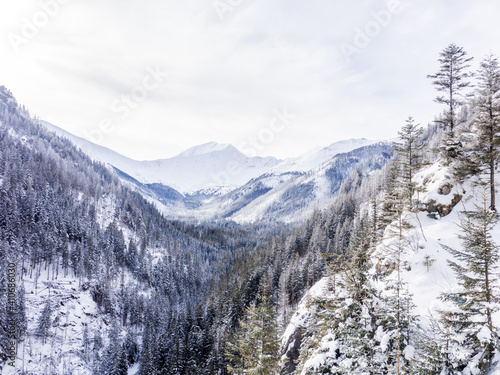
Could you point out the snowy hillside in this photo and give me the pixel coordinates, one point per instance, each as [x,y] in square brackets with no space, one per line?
[73,312]
[7,98]
[426,272]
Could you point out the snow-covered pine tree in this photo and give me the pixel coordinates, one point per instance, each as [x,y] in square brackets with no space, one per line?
[114,360]
[398,323]
[96,350]
[86,343]
[45,321]
[391,194]
[408,155]
[451,79]
[376,222]
[21,319]
[400,187]
[431,356]
[355,314]
[122,368]
[484,148]
[397,303]
[476,340]
[147,358]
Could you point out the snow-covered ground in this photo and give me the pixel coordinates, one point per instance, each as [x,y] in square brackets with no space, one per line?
[73,309]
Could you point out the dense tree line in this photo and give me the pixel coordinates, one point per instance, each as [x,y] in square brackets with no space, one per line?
[51,226]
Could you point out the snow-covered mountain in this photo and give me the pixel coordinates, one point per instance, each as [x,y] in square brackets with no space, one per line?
[217,181]
[100,264]
[211,166]
[291,191]
[78,210]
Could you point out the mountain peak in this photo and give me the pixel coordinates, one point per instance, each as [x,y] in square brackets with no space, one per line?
[208,148]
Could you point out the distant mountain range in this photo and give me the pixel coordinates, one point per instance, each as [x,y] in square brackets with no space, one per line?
[217,181]
[209,166]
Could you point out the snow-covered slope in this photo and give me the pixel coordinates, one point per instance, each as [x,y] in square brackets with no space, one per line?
[426,281]
[94,151]
[74,310]
[316,158]
[6,97]
[293,190]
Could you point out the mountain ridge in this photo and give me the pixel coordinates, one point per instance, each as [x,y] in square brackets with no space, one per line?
[197,168]
[206,148]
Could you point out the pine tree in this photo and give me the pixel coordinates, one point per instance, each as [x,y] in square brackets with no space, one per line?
[96,349]
[400,186]
[408,156]
[398,321]
[147,352]
[398,303]
[376,222]
[255,348]
[21,319]
[431,357]
[122,368]
[392,194]
[86,343]
[484,148]
[451,79]
[45,321]
[477,300]
[114,361]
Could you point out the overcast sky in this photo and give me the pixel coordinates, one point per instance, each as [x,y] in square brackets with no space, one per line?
[272,77]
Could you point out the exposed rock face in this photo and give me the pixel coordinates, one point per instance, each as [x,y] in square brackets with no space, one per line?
[292,351]
[442,209]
